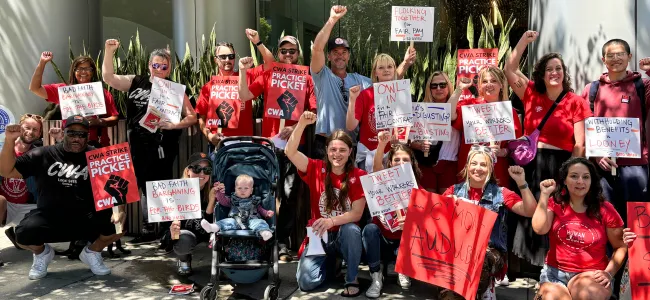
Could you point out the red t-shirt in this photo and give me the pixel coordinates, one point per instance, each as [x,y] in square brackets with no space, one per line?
[14,189]
[510,198]
[271,126]
[578,243]
[315,178]
[245,127]
[364,112]
[558,130]
[53,97]
[501,168]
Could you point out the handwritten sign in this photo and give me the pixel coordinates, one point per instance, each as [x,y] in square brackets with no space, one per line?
[411,23]
[393,104]
[167,97]
[638,219]
[488,122]
[444,243]
[431,122]
[225,105]
[471,62]
[177,199]
[112,176]
[287,91]
[389,189]
[86,99]
[613,137]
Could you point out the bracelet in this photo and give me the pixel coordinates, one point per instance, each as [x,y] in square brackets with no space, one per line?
[333,224]
[523,186]
[259,43]
[610,275]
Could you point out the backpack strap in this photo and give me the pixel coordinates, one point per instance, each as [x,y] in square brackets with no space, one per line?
[593,90]
[640,92]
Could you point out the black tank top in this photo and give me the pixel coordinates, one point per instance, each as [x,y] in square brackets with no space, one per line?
[136,107]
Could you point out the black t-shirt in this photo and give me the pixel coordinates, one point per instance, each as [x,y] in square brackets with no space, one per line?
[136,108]
[62,179]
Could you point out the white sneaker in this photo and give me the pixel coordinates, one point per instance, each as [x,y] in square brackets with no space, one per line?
[374,291]
[95,261]
[504,282]
[404,281]
[41,261]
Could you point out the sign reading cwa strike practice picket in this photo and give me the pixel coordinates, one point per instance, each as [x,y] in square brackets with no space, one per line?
[613,137]
[167,97]
[86,99]
[431,122]
[389,190]
[411,23]
[287,91]
[177,199]
[443,243]
[225,105]
[111,176]
[471,62]
[393,104]
[488,122]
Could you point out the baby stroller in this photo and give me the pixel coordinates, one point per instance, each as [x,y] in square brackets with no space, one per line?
[254,156]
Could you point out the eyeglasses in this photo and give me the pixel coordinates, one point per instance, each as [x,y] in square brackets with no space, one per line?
[441,85]
[158,66]
[290,51]
[80,70]
[616,55]
[226,56]
[198,169]
[77,134]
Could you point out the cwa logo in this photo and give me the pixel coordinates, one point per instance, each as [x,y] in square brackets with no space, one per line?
[14,187]
[67,173]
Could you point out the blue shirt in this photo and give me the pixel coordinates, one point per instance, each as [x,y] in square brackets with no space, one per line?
[332,101]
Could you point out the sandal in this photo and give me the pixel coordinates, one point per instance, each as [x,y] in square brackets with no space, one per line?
[284,254]
[346,290]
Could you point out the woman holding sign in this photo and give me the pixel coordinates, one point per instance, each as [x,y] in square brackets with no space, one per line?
[580,223]
[82,70]
[337,203]
[480,188]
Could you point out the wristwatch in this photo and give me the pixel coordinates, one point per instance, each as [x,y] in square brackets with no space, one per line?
[523,186]
[259,43]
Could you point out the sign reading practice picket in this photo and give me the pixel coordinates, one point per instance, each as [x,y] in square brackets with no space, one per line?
[411,23]
[488,122]
[86,99]
[225,105]
[287,91]
[393,104]
[112,176]
[169,200]
[389,190]
[613,137]
[638,219]
[167,97]
[431,122]
[443,243]
[471,62]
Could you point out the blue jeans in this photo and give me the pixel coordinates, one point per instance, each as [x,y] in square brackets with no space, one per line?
[377,246]
[554,275]
[256,225]
[312,270]
[629,186]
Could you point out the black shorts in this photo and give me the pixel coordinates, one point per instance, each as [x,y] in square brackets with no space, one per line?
[44,226]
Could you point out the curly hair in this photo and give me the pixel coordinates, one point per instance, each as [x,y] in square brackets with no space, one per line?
[331,199]
[594,198]
[540,69]
[78,61]
[414,162]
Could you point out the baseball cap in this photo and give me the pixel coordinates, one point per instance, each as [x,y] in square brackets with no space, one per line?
[337,42]
[197,157]
[288,38]
[76,119]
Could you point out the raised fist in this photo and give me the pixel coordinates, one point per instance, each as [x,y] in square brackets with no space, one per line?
[307,118]
[354,91]
[287,103]
[547,186]
[338,11]
[46,57]
[56,133]
[224,112]
[644,64]
[464,83]
[117,187]
[111,45]
[252,36]
[529,36]
[12,132]
[245,63]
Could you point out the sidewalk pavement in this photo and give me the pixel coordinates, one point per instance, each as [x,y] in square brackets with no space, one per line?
[142,275]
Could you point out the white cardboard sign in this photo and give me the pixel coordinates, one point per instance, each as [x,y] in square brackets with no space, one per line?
[393,104]
[86,99]
[488,122]
[167,97]
[411,23]
[177,199]
[431,122]
[389,189]
[613,137]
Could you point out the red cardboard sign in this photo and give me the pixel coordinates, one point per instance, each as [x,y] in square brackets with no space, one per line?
[112,176]
[225,105]
[286,92]
[471,62]
[444,243]
[638,219]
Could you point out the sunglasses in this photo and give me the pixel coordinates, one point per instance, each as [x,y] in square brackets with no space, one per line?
[290,51]
[196,169]
[158,66]
[76,134]
[434,86]
[33,116]
[226,56]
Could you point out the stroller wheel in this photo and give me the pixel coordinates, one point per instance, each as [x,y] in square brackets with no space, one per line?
[205,292]
[271,292]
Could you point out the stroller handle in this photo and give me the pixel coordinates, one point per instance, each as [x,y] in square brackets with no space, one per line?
[255,139]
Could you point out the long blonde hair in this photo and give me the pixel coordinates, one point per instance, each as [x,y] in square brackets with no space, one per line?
[382,58]
[428,97]
[499,75]
[490,175]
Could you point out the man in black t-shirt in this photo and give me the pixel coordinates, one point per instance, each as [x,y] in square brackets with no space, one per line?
[64,210]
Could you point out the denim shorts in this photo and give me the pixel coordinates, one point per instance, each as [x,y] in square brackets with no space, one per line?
[554,275]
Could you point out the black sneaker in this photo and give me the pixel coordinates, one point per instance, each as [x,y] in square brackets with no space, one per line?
[284,254]
[184,267]
[142,240]
[166,245]
[11,234]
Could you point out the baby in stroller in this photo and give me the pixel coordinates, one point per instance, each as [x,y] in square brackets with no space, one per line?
[245,209]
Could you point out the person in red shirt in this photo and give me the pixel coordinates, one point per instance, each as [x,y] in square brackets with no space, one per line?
[579,223]
[82,70]
[337,202]
[492,87]
[480,188]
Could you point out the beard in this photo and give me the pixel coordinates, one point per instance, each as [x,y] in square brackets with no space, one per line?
[75,147]
[25,140]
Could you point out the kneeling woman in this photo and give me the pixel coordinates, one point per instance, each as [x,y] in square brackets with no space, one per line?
[580,223]
[337,203]
[480,188]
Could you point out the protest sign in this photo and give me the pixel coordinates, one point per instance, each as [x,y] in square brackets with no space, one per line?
[6,118]
[471,62]
[431,122]
[112,176]
[86,99]
[389,189]
[613,137]
[151,119]
[177,199]
[638,219]
[225,105]
[393,104]
[287,91]
[488,122]
[443,243]
[411,23]
[167,97]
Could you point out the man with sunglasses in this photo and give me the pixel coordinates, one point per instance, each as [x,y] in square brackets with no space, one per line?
[65,210]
